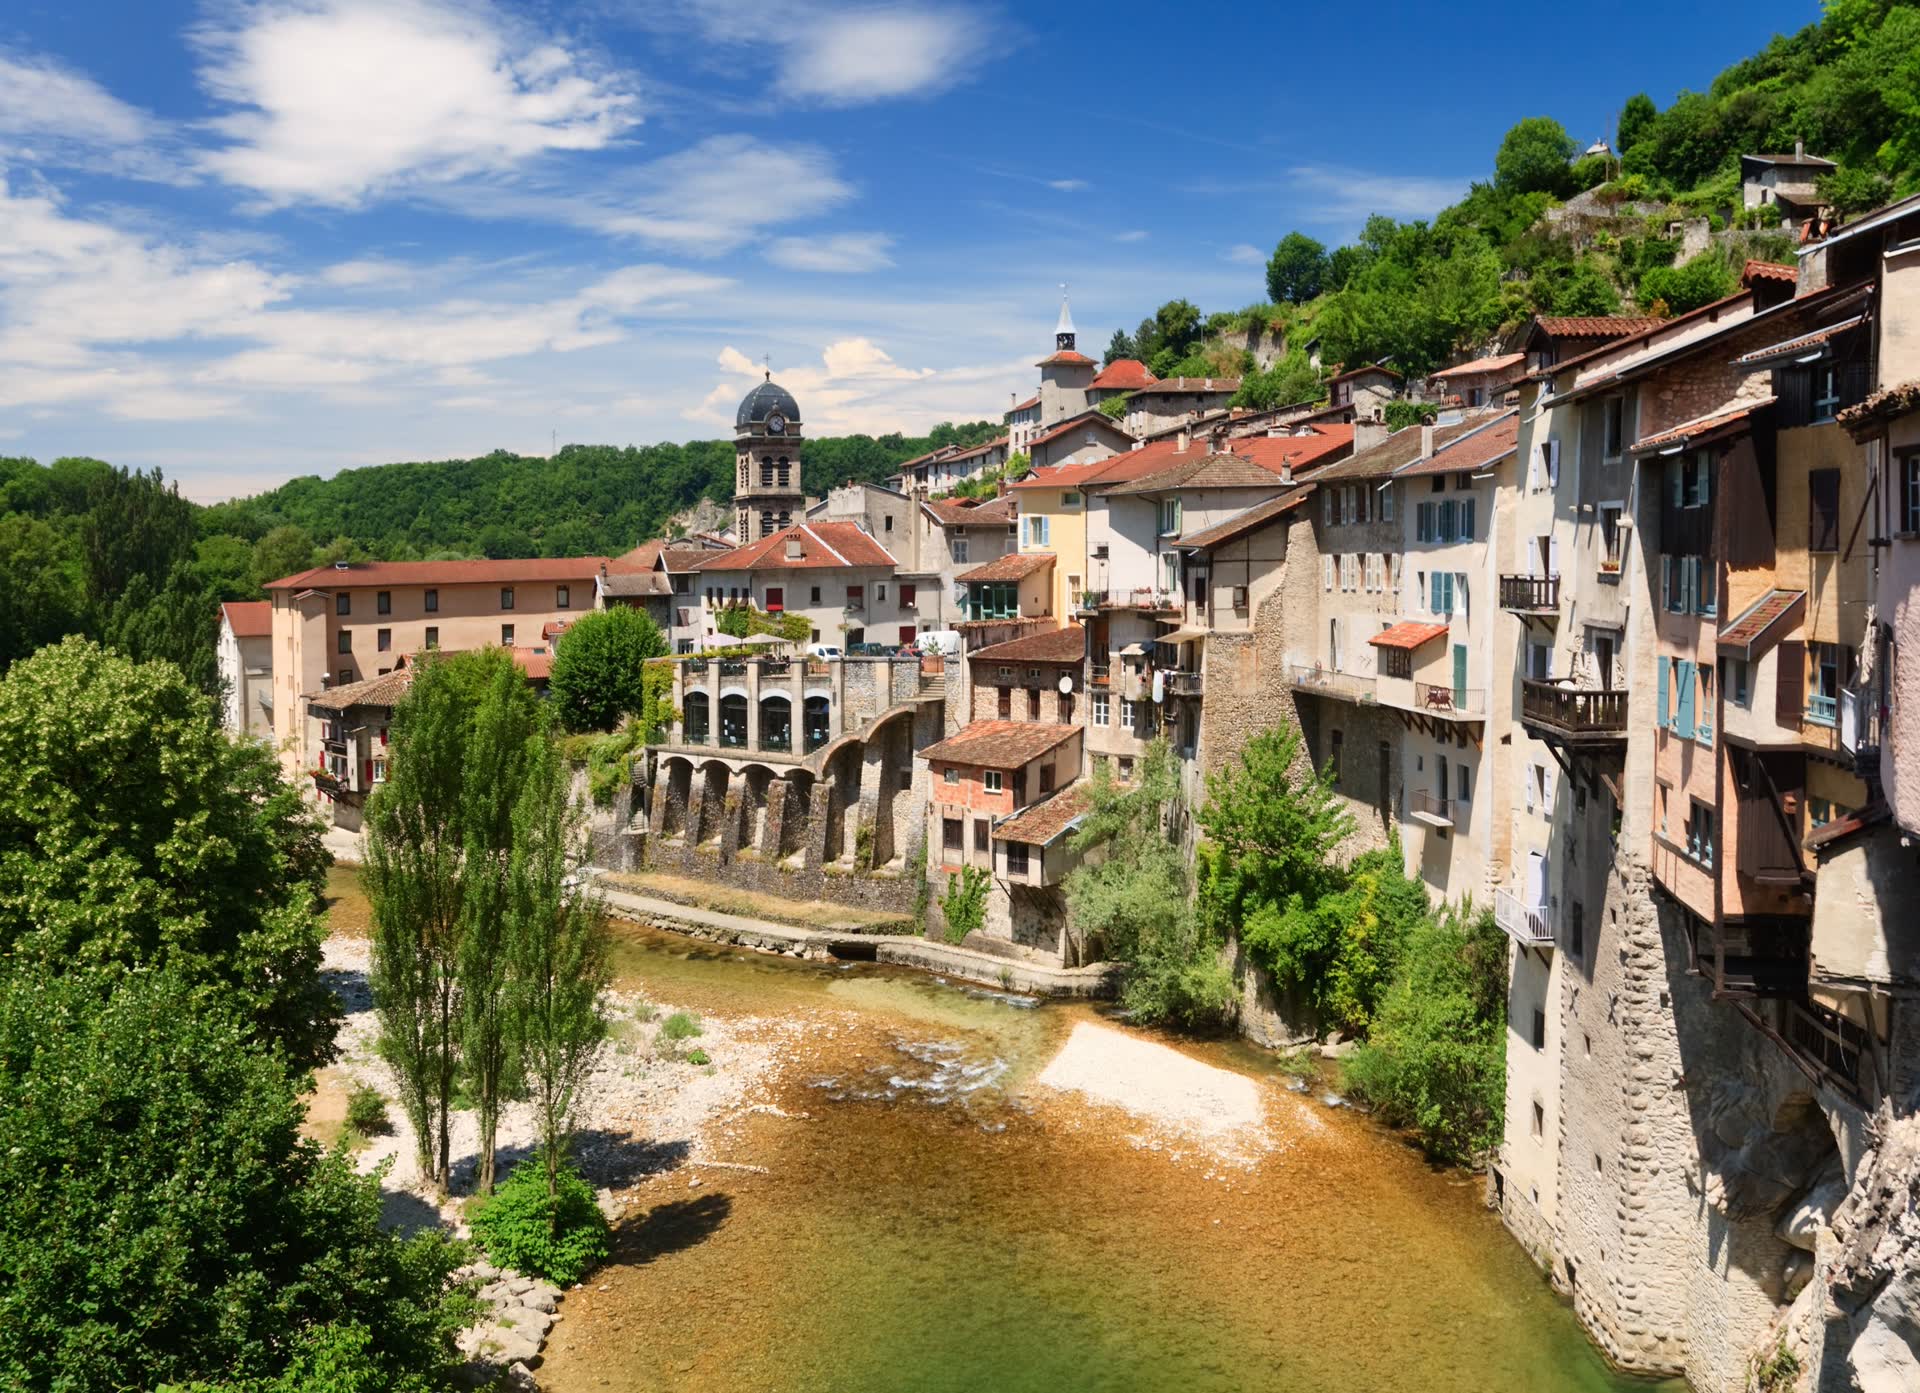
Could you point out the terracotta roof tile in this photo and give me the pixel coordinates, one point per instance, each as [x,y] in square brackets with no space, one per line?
[1026,405]
[1596,326]
[1698,430]
[1124,374]
[384,690]
[1769,271]
[1000,744]
[1884,405]
[1800,343]
[959,513]
[1408,634]
[1479,365]
[1065,357]
[249,618]
[1063,645]
[1394,453]
[1037,824]
[1085,419]
[1755,629]
[1363,370]
[822,545]
[1015,565]
[1211,471]
[1477,449]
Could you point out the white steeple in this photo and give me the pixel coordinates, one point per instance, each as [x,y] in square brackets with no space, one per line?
[1063,331]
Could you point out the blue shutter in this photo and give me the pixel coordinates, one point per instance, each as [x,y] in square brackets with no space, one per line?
[1660,709]
[1683,674]
[1466,521]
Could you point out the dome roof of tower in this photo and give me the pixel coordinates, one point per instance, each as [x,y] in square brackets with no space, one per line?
[764,400]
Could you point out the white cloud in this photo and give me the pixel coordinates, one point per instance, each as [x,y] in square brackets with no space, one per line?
[847,251]
[1244,254]
[52,115]
[1069,185]
[706,200]
[1137,234]
[339,100]
[365,273]
[1339,194]
[872,55]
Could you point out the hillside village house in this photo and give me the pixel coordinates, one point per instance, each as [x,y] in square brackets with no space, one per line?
[1547,339]
[938,471]
[1023,423]
[1364,391]
[334,626]
[1481,382]
[244,652]
[1177,401]
[836,575]
[1789,182]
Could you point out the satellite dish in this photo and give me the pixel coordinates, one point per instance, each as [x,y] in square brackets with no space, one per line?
[1066,684]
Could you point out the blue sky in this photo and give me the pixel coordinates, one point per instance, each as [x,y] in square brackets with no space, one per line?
[246,241]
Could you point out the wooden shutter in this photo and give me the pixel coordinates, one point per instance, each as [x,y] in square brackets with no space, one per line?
[1789,698]
[1683,679]
[1796,397]
[1553,464]
[1660,698]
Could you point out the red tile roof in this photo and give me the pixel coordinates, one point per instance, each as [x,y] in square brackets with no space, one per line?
[1800,343]
[1366,368]
[1300,451]
[1766,619]
[1769,271]
[1026,405]
[1000,744]
[1065,357]
[1085,420]
[822,545]
[249,618]
[1037,824]
[1596,326]
[1477,449]
[1208,471]
[1015,565]
[384,690]
[1124,374]
[956,512]
[1884,405]
[1698,430]
[1480,365]
[366,573]
[1408,634]
[1063,645]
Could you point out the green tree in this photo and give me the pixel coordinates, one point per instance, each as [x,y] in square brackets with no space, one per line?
[1119,346]
[40,576]
[1533,157]
[285,551]
[1290,380]
[1297,270]
[1130,894]
[134,833]
[1435,1059]
[557,949]
[598,666]
[1636,117]
[163,1221]
[1272,824]
[1699,282]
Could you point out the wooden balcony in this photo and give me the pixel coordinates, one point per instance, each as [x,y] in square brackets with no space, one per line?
[1536,595]
[1595,717]
[1182,684]
[1525,924]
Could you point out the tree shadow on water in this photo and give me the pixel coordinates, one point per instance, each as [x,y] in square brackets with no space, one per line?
[670,1228]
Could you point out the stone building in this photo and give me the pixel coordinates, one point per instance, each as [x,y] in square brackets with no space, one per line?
[938,471]
[931,541]
[834,573]
[245,656]
[767,492]
[1789,182]
[1177,401]
[1481,382]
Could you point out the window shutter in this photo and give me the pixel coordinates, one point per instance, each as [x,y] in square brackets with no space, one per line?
[1553,464]
[1535,457]
[1326,568]
[1395,571]
[1676,475]
[1466,521]
[1546,771]
[1789,697]
[1683,678]
[1386,504]
[1553,556]
[1326,507]
[1660,696]
[1526,777]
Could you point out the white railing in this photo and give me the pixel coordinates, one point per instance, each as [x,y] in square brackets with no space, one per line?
[1525,924]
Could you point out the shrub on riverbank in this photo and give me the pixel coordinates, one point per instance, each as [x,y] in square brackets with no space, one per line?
[562,1236]
[1435,1057]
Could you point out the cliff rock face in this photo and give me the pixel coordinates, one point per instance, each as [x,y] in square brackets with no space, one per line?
[1867,1337]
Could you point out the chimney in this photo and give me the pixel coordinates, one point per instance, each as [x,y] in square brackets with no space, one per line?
[1182,440]
[1426,437]
[1286,472]
[1799,148]
[1217,439]
[1369,432]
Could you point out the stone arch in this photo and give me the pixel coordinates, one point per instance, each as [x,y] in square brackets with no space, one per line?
[696,719]
[676,787]
[708,823]
[732,728]
[752,786]
[888,758]
[844,769]
[776,721]
[795,813]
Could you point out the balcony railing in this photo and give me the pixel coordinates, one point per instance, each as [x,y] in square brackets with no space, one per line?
[1437,700]
[730,667]
[1530,594]
[1183,684]
[1525,924]
[1586,716]
[1431,808]
[1344,686]
[1143,597]
[779,741]
[1102,674]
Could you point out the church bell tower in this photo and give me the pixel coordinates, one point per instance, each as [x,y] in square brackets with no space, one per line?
[767,493]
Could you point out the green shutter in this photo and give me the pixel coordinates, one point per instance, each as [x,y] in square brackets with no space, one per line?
[1660,709]
[1683,678]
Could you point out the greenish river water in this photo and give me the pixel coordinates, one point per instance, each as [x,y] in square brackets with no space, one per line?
[929,1221]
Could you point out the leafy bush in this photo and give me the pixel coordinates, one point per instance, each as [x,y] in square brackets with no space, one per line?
[1699,282]
[698,1057]
[1435,1058]
[681,1025]
[964,906]
[367,1112]
[598,667]
[562,1236]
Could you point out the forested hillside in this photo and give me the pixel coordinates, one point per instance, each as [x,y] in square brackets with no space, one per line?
[1556,232]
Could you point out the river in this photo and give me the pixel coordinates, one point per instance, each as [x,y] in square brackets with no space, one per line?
[929,1221]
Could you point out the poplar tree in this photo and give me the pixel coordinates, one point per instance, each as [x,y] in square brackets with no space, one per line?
[556,932]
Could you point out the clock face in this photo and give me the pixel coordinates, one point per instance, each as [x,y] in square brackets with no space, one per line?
[776,423]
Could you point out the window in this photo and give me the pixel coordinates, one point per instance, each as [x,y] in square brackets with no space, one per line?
[1703,718]
[1823,698]
[1819,812]
[1016,858]
[1126,720]
[958,549]
[1610,539]
[1442,595]
[776,599]
[1069,500]
[1169,517]
[343,603]
[506,597]
[1005,711]
[346,676]
[1539,1030]
[909,597]
[1101,707]
[888,527]
[1386,503]
[996,781]
[1662,799]
[1539,1120]
[383,602]
[1033,703]
[950,776]
[880,594]
[1614,416]
[562,597]
[1126,767]
[1910,494]
[1823,510]
[433,636]
[1739,681]
[506,635]
[1700,832]
[815,597]
[951,835]
[383,640]
[433,602]
[1577,931]
[856,596]
[1463,781]
[1046,778]
[380,769]
[344,643]
[1037,532]
[1826,390]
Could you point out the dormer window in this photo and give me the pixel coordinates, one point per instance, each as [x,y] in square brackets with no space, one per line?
[794,552]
